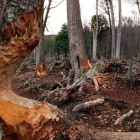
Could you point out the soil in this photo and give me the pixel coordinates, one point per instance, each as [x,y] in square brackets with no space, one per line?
[120,97]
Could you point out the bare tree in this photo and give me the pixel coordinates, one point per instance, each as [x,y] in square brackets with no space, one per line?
[95,34]
[137,2]
[113,29]
[119,31]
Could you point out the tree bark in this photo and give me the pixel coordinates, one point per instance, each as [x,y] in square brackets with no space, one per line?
[95,34]
[113,30]
[23,118]
[78,56]
[41,50]
[118,47]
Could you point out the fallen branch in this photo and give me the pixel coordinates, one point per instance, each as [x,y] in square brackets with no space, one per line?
[70,77]
[96,83]
[120,119]
[116,136]
[87,105]
[79,82]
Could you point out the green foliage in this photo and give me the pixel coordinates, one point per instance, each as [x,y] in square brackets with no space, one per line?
[49,43]
[61,40]
[103,25]
[88,35]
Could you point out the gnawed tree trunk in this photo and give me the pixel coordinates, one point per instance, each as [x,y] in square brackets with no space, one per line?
[78,56]
[19,35]
[21,118]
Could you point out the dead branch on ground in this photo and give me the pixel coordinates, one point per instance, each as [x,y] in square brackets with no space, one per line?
[87,105]
[120,119]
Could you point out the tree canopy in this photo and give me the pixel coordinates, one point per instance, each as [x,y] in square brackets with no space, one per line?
[62,40]
[103,25]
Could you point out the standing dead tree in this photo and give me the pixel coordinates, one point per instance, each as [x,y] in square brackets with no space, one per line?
[95,34]
[113,30]
[118,46]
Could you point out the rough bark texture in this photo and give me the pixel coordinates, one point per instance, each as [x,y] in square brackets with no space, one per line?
[76,38]
[113,30]
[118,47]
[22,118]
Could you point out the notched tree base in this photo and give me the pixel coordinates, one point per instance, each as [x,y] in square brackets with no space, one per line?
[27,119]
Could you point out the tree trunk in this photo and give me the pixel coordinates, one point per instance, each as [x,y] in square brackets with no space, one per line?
[41,50]
[113,30]
[22,118]
[37,56]
[95,34]
[108,10]
[94,46]
[118,47]
[138,4]
[78,56]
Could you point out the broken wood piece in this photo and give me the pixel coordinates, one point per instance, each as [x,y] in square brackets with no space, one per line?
[116,136]
[87,104]
[120,119]
[96,83]
[41,70]
[63,76]
[71,77]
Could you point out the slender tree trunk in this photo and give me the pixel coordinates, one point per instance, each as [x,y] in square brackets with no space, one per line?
[94,47]
[41,50]
[113,30]
[78,56]
[138,4]
[108,10]
[95,34]
[37,56]
[118,47]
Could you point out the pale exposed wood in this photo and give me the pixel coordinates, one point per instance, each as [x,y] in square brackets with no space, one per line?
[24,118]
[116,136]
[41,70]
[120,119]
[87,105]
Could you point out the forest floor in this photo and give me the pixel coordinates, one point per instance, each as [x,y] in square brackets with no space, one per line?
[120,97]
